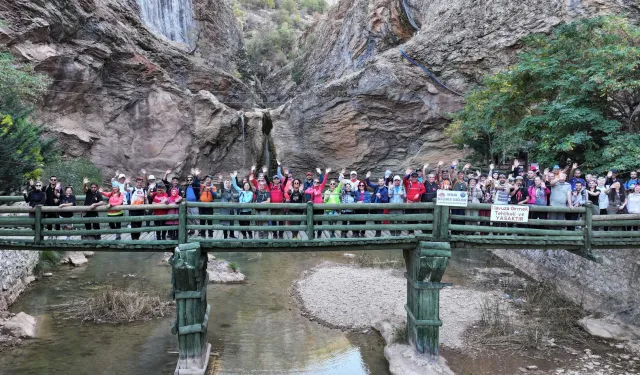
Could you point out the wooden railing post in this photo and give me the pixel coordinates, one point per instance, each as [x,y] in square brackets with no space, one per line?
[189,278]
[182,223]
[38,225]
[437,216]
[310,233]
[425,267]
[587,252]
[443,230]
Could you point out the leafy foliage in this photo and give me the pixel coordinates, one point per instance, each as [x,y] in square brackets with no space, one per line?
[271,49]
[72,172]
[23,150]
[572,94]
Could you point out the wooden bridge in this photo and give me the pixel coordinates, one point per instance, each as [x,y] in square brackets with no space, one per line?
[425,232]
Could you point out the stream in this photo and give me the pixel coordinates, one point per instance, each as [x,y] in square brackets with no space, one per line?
[254,327]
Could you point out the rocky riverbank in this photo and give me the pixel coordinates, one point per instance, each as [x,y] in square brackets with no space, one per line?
[349,297]
[497,311]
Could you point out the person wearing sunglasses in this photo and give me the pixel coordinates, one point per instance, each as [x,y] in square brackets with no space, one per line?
[67,200]
[315,194]
[52,191]
[332,196]
[192,194]
[35,197]
[380,195]
[227,195]
[245,195]
[296,195]
[362,195]
[93,199]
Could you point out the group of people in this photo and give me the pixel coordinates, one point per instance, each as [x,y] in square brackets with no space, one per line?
[519,186]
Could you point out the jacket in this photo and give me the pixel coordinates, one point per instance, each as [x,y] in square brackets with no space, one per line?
[35,198]
[192,192]
[414,190]
[532,194]
[333,197]
[114,200]
[364,197]
[315,192]
[384,193]
[396,192]
[208,195]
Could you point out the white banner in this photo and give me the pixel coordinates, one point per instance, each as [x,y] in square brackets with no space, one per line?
[452,198]
[509,213]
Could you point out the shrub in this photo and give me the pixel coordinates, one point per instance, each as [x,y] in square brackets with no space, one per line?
[72,172]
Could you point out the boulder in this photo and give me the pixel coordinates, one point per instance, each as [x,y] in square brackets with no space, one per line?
[609,328]
[75,258]
[22,326]
[220,272]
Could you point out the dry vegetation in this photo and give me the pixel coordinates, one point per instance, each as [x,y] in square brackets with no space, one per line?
[112,305]
[534,316]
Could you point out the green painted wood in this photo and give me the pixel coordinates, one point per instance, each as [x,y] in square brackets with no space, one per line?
[616,233]
[15,210]
[376,206]
[435,253]
[112,219]
[93,232]
[38,225]
[486,206]
[16,220]
[434,245]
[424,227]
[484,219]
[509,230]
[374,217]
[182,224]
[588,229]
[188,294]
[614,223]
[250,217]
[569,238]
[309,220]
[443,232]
[265,228]
[17,232]
[616,217]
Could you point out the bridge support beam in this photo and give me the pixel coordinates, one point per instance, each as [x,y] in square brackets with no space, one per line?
[425,266]
[189,278]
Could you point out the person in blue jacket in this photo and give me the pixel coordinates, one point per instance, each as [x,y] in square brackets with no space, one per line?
[362,195]
[380,195]
[192,194]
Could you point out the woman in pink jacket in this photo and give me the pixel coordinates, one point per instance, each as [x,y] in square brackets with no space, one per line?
[116,198]
[316,195]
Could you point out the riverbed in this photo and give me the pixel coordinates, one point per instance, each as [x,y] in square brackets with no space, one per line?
[254,327]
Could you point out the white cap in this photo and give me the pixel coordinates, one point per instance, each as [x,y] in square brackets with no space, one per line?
[122,176]
[396,177]
[151,177]
[353,172]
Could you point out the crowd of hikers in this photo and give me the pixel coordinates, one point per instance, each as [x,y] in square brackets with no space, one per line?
[556,187]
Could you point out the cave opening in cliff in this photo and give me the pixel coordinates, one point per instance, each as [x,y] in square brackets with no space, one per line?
[267,124]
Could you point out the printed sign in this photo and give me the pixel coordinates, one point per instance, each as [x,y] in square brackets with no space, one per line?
[510,213]
[452,198]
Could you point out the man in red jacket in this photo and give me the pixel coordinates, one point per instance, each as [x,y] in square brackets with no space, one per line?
[414,189]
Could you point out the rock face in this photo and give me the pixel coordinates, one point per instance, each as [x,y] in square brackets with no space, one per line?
[21,326]
[15,274]
[364,106]
[128,98]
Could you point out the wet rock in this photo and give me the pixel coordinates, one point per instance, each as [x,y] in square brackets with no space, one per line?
[22,326]
[609,328]
[349,255]
[221,272]
[75,258]
[47,274]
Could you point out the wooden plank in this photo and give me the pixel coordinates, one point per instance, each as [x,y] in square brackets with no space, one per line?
[17,232]
[375,217]
[250,217]
[16,220]
[256,228]
[616,217]
[425,227]
[84,232]
[108,219]
[182,224]
[309,220]
[38,225]
[510,230]
[544,222]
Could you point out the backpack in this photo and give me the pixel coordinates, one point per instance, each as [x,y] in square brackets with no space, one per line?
[133,194]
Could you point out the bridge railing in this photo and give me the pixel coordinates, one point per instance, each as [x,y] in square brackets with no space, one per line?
[310,220]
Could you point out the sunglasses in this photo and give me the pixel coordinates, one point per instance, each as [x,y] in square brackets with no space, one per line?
[53,179]
[296,183]
[360,185]
[316,182]
[332,184]
[189,179]
[38,185]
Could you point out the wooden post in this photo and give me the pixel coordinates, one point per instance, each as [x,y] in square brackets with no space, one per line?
[310,220]
[437,216]
[189,278]
[588,235]
[425,266]
[182,222]
[38,225]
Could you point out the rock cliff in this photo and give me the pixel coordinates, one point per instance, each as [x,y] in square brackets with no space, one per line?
[360,104]
[129,98]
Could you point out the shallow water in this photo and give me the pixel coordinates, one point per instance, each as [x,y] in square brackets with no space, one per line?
[254,327]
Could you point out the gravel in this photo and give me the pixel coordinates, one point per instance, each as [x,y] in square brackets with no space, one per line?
[355,298]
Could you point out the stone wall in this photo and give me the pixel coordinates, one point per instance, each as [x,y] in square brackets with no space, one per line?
[15,274]
[611,287]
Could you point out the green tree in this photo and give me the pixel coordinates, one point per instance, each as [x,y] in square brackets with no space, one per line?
[289,5]
[572,94]
[72,172]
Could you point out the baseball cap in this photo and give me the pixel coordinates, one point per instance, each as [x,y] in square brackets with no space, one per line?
[387,173]
[614,171]
[353,172]
[556,166]
[519,178]
[396,177]
[122,176]
[115,184]
[533,168]
[502,175]
[274,177]
[151,177]
[414,174]
[309,174]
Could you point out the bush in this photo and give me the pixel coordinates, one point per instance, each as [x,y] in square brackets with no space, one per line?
[48,261]
[72,172]
[572,94]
